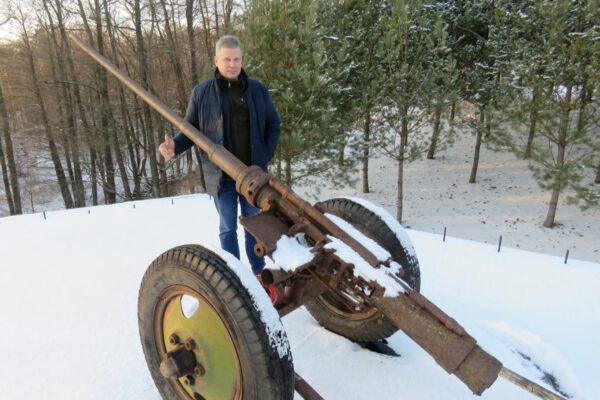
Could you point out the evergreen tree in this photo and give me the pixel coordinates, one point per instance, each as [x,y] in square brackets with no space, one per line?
[413,50]
[555,72]
[355,30]
[286,50]
[472,25]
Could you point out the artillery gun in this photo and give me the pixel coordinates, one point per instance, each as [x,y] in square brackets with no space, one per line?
[207,333]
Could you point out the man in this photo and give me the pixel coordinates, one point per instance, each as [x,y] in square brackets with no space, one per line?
[238,113]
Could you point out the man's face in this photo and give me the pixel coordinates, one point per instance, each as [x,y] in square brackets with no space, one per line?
[229,62]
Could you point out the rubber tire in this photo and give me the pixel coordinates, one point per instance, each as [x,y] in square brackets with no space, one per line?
[373,327]
[265,375]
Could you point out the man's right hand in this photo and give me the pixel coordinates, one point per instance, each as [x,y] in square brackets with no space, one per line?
[167,148]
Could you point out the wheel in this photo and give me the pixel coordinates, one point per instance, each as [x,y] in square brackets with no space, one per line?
[201,327]
[369,325]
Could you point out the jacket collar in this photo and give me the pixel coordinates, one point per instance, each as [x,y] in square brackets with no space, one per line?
[225,83]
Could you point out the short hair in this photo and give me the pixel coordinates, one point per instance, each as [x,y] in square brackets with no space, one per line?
[228,41]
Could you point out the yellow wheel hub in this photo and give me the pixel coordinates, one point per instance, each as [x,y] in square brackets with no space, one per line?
[184,314]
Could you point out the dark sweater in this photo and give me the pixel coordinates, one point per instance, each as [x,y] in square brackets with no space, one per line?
[237,129]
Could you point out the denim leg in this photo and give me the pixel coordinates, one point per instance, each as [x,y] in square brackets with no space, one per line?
[257,263]
[226,203]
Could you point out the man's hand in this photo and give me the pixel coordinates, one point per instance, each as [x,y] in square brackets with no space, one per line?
[167,148]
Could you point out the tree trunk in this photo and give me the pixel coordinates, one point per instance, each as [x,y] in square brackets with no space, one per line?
[585,99]
[11,183]
[7,191]
[206,28]
[194,76]
[125,120]
[58,168]
[401,158]
[60,97]
[559,183]
[93,135]
[453,111]
[174,59]
[288,172]
[78,187]
[65,102]
[189,16]
[366,144]
[227,9]
[79,100]
[145,81]
[533,116]
[200,170]
[436,131]
[217,20]
[110,190]
[597,180]
[480,127]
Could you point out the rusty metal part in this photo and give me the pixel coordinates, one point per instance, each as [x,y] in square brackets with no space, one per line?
[299,293]
[189,380]
[174,339]
[199,370]
[267,228]
[178,362]
[304,389]
[457,354]
[189,344]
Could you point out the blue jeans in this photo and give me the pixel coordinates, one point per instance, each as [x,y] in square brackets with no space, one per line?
[226,203]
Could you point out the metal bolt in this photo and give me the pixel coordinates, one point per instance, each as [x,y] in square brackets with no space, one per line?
[199,370]
[174,339]
[189,344]
[188,380]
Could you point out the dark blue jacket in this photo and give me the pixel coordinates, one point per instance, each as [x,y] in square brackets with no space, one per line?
[208,111]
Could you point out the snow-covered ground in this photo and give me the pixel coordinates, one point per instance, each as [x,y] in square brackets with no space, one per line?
[506,200]
[69,285]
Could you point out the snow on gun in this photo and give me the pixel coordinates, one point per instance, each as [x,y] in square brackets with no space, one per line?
[356,273]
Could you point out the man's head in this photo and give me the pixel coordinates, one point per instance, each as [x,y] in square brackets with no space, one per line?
[228,56]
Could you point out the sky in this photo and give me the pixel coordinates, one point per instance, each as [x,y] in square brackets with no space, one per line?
[68,298]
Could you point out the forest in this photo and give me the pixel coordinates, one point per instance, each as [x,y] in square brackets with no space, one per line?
[349,78]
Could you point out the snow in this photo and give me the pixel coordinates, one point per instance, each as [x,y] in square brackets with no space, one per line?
[391,222]
[262,302]
[506,200]
[363,269]
[290,254]
[68,300]
[371,245]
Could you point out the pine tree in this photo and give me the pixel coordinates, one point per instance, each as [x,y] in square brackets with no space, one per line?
[286,50]
[555,54]
[354,30]
[472,26]
[414,55]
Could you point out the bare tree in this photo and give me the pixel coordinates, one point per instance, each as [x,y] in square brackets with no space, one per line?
[58,167]
[9,174]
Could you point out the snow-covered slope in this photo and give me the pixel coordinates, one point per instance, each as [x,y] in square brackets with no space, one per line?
[68,293]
